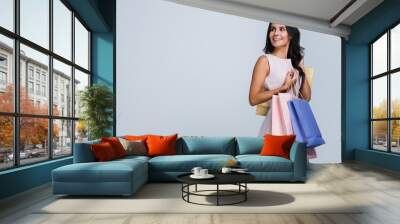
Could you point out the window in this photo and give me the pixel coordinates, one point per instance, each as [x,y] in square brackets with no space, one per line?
[395,47]
[81,45]
[35,21]
[62,29]
[44,91]
[62,137]
[33,149]
[62,75]
[3,72]
[30,72]
[385,91]
[6,142]
[7,14]
[37,75]
[81,81]
[3,61]
[3,78]
[30,87]
[44,131]
[37,89]
[6,73]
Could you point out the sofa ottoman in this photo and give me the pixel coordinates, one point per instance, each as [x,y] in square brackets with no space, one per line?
[119,177]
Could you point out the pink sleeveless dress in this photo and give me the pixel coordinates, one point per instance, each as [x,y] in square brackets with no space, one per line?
[278,67]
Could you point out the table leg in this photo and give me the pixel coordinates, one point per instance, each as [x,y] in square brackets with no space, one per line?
[188,190]
[196,188]
[217,194]
[245,193]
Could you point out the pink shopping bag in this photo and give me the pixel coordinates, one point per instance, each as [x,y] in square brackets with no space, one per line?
[281,123]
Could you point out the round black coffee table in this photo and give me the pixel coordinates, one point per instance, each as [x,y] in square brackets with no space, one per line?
[238,179]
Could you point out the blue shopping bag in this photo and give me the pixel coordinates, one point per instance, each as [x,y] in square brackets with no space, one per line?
[305,126]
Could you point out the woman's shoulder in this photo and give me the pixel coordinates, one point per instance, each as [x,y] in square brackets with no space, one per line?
[262,61]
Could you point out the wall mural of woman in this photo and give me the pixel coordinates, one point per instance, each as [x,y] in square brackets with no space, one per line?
[279,70]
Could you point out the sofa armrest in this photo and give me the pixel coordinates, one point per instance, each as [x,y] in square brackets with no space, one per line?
[298,156]
[83,152]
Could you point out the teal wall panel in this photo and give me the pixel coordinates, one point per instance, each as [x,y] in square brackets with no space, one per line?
[376,158]
[357,101]
[102,58]
[24,178]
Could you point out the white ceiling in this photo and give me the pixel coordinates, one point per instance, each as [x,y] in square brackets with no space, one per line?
[315,15]
[319,9]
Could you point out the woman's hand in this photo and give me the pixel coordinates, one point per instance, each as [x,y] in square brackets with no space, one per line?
[289,81]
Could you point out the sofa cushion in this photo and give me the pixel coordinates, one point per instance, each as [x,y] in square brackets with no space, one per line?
[159,145]
[249,145]
[103,152]
[135,147]
[275,145]
[196,145]
[131,158]
[111,171]
[257,163]
[185,163]
[116,145]
[136,137]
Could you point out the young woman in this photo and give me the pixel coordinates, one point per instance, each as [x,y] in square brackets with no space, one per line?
[280,70]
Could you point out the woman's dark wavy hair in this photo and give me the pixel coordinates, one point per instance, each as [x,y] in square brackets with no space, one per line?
[295,51]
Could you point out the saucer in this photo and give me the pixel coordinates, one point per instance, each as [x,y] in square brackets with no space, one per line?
[208,176]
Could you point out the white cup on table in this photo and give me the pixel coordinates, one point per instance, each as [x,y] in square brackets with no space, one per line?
[196,171]
[203,172]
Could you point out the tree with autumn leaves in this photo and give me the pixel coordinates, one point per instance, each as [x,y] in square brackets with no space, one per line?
[380,127]
[33,131]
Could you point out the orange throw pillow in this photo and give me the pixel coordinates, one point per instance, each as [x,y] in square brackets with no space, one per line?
[116,145]
[277,145]
[136,137]
[161,145]
[103,151]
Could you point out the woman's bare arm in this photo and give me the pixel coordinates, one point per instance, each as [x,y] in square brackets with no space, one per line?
[305,90]
[257,93]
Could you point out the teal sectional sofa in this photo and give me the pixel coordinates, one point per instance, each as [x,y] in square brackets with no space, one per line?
[125,176]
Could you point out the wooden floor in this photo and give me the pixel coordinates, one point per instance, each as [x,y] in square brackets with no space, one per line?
[377,188]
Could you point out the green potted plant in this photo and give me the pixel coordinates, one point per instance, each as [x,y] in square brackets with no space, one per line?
[96,102]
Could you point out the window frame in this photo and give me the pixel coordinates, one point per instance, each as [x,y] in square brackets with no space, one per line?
[16,115]
[388,74]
